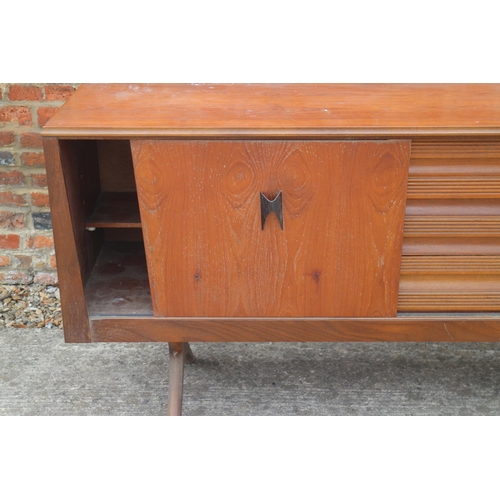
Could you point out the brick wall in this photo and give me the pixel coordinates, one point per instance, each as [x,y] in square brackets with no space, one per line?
[26,243]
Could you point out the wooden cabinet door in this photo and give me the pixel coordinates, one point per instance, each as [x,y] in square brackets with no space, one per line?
[338,254]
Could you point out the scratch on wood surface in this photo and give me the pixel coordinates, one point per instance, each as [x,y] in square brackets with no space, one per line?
[449,334]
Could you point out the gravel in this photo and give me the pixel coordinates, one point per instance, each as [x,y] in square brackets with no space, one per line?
[30,306]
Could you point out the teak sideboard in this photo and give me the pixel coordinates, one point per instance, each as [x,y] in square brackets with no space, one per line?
[277,213]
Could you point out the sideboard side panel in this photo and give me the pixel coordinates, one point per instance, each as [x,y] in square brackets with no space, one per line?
[73,264]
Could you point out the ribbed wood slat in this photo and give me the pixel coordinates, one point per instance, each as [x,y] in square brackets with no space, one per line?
[461,186]
[452,245]
[449,291]
[447,302]
[455,149]
[440,300]
[460,226]
[450,264]
[453,207]
[454,169]
[454,226]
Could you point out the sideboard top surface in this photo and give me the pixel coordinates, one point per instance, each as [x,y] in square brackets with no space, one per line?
[280,110]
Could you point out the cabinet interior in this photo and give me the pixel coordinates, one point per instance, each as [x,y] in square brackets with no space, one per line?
[117,282]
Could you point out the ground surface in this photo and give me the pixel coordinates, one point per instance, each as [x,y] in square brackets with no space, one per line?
[30,306]
[41,375]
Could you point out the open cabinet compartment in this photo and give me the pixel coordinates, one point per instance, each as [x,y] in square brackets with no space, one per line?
[106,211]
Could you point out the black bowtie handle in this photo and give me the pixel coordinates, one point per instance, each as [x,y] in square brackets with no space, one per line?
[267,206]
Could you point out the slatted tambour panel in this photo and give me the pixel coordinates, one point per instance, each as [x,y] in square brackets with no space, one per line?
[451,250]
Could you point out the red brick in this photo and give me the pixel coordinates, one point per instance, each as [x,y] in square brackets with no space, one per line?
[58,92]
[11,199]
[39,180]
[46,278]
[9,241]
[52,261]
[31,140]
[44,114]
[4,260]
[33,159]
[23,261]
[40,242]
[19,114]
[12,178]
[25,93]
[7,138]
[40,199]
[14,277]
[11,220]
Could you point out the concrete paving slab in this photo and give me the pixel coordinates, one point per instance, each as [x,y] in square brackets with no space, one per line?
[41,375]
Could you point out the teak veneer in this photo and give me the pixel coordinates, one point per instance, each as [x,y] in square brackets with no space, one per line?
[219,213]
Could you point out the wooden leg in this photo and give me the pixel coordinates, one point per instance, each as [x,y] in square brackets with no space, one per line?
[180,353]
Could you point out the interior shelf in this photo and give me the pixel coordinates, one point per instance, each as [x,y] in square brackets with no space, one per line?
[119,284]
[115,210]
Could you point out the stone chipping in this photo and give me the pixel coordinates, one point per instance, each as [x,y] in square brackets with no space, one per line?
[30,306]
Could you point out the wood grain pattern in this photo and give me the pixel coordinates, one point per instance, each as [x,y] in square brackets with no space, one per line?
[415,328]
[338,255]
[279,110]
